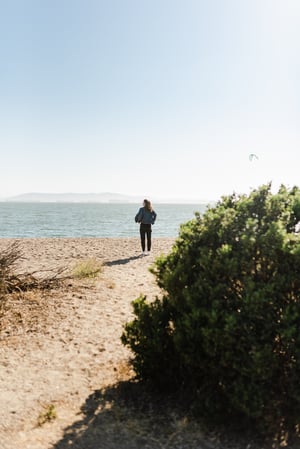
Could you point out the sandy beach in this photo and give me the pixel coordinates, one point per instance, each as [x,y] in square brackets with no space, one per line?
[58,347]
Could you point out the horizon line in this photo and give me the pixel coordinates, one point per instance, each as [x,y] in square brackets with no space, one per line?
[127,197]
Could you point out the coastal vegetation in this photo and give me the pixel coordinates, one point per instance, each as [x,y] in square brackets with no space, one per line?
[88,268]
[225,334]
[12,281]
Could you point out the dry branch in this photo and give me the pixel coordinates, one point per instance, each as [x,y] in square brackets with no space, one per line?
[10,281]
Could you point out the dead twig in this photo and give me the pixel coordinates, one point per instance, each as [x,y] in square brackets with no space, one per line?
[10,281]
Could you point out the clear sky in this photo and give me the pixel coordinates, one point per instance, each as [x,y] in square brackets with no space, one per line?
[158,98]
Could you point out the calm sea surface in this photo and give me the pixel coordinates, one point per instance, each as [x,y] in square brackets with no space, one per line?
[18,220]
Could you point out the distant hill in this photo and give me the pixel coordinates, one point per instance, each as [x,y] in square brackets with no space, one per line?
[105,197]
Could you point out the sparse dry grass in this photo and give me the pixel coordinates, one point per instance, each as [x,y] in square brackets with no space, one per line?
[88,268]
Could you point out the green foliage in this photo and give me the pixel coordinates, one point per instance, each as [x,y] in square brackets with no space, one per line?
[150,337]
[48,415]
[228,326]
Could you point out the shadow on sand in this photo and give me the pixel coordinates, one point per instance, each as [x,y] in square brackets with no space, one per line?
[125,417]
[122,261]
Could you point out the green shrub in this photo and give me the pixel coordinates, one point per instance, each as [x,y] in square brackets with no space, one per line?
[227,328]
[150,338]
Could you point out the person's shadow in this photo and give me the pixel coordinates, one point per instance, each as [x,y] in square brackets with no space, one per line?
[122,261]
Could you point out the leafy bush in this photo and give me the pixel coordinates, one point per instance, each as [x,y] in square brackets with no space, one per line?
[227,328]
[149,336]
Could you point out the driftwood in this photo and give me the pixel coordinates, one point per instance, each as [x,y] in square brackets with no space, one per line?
[11,281]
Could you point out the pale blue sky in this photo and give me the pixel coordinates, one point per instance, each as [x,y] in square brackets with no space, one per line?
[158,98]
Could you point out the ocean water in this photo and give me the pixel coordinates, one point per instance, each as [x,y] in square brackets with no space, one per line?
[25,220]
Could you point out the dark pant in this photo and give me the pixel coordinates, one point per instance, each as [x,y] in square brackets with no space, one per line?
[145,230]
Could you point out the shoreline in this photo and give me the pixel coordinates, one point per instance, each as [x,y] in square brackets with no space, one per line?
[47,251]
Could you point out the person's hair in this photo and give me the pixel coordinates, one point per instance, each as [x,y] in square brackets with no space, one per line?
[148,205]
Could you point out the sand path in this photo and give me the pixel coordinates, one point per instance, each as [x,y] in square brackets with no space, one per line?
[70,344]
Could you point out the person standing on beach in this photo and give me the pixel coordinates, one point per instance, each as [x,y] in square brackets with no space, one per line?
[146,216]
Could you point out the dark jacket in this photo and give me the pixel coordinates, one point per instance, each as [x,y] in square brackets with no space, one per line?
[145,216]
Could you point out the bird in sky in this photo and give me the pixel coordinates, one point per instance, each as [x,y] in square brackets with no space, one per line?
[252,156]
